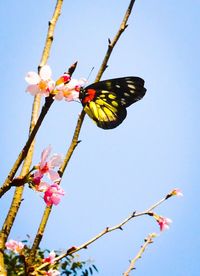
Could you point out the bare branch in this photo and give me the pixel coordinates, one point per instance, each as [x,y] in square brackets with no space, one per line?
[147,241]
[107,230]
[111,44]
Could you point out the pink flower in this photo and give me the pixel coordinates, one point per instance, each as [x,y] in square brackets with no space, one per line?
[14,246]
[69,91]
[42,83]
[53,272]
[47,167]
[42,186]
[50,258]
[162,221]
[53,194]
[174,192]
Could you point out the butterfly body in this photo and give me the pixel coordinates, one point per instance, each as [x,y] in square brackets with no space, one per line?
[106,101]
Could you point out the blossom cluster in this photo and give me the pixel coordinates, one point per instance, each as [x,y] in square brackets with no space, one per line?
[46,166]
[17,247]
[43,84]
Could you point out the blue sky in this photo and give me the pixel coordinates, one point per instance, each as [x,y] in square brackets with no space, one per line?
[111,173]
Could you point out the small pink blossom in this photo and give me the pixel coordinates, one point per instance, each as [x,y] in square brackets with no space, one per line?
[53,194]
[69,91]
[14,246]
[176,192]
[50,258]
[42,186]
[47,167]
[163,222]
[40,83]
[52,272]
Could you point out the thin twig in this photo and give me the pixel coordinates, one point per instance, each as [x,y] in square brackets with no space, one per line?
[29,146]
[23,154]
[107,230]
[147,241]
[111,44]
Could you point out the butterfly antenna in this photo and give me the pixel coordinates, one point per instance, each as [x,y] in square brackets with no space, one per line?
[90,73]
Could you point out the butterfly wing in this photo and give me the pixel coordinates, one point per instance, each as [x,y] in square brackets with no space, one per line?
[106,101]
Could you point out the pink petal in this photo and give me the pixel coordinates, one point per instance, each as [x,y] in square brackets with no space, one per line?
[55,161]
[74,95]
[53,272]
[55,199]
[45,72]
[45,154]
[43,186]
[33,89]
[54,176]
[59,96]
[14,246]
[51,85]
[32,78]
[177,192]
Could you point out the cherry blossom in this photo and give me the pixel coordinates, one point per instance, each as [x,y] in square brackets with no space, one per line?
[69,91]
[50,258]
[40,83]
[64,88]
[163,222]
[52,272]
[53,194]
[14,246]
[176,192]
[47,167]
[42,186]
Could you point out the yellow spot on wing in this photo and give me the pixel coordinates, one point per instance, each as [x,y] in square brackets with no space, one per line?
[111,96]
[89,112]
[109,106]
[94,110]
[114,103]
[102,115]
[109,114]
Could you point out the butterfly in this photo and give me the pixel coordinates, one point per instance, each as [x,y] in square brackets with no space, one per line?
[106,101]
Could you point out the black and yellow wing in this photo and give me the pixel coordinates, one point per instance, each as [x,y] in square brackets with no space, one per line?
[106,101]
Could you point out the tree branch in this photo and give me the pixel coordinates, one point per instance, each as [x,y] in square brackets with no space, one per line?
[147,241]
[29,145]
[111,44]
[107,230]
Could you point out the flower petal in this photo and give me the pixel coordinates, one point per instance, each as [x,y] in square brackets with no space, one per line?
[54,176]
[32,78]
[45,154]
[33,89]
[55,161]
[45,72]
[74,95]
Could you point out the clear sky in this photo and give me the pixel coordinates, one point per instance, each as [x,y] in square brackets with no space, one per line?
[115,172]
